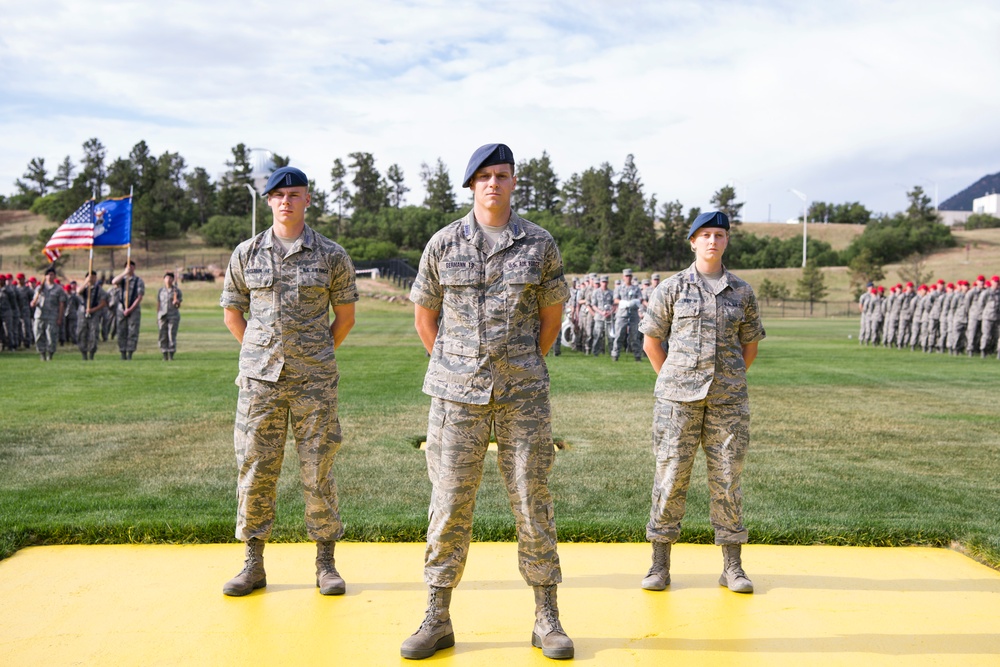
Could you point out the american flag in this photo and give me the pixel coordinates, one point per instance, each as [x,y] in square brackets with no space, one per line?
[76,232]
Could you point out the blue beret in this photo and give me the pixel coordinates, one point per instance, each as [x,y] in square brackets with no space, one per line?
[487,156]
[709,219]
[286,177]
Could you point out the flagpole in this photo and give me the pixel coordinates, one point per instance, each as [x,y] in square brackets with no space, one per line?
[128,251]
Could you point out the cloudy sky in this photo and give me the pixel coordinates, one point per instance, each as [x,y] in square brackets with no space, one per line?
[843,100]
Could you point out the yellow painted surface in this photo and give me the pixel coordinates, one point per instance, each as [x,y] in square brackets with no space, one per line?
[163,605]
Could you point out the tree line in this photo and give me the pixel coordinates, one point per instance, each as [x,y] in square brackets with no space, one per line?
[602,218]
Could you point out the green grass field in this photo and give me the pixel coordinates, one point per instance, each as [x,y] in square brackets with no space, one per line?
[849,445]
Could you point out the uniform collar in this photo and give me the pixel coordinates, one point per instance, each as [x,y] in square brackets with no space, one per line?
[308,238]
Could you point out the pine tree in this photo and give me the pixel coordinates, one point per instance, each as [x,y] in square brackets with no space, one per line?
[811,286]
[437,183]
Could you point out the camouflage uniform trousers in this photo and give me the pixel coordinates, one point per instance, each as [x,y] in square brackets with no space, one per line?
[128,330]
[168,332]
[973,334]
[956,336]
[263,413]
[27,336]
[988,340]
[627,337]
[723,431]
[586,319]
[7,331]
[90,329]
[457,438]
[46,335]
[599,337]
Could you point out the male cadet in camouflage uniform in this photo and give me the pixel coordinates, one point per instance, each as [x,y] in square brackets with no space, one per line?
[109,318]
[287,278]
[628,298]
[49,303]
[959,318]
[71,324]
[132,290]
[711,319]
[990,301]
[891,316]
[168,315]
[907,303]
[585,314]
[94,303]
[497,281]
[864,307]
[933,331]
[972,329]
[602,307]
[25,293]
[6,315]
[947,300]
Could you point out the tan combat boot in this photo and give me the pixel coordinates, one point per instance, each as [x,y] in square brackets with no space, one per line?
[328,580]
[435,632]
[658,577]
[548,633]
[733,577]
[252,577]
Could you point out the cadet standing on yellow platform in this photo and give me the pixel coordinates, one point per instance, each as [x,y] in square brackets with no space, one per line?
[711,320]
[497,281]
[287,278]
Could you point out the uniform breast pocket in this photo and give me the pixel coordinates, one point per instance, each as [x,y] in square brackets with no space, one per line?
[261,286]
[685,335]
[462,292]
[312,287]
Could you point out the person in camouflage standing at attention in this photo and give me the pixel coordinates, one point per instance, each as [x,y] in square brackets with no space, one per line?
[25,293]
[990,304]
[933,331]
[975,310]
[713,324]
[586,316]
[891,316]
[7,301]
[133,289]
[944,329]
[959,318]
[628,298]
[109,317]
[49,303]
[497,282]
[287,278]
[602,307]
[168,315]
[94,303]
[907,304]
[864,308]
[71,324]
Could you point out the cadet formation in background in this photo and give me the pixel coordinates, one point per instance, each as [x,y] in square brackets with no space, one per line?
[957,318]
[602,318]
[45,315]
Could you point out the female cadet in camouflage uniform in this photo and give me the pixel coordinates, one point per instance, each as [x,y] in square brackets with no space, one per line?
[497,282]
[287,278]
[711,320]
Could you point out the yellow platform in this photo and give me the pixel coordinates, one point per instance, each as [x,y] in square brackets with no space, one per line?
[162,605]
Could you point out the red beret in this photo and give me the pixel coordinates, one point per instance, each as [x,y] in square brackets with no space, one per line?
[951,285]
[19,276]
[980,278]
[909,284]
[995,279]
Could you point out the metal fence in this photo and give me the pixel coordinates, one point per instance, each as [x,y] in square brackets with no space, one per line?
[398,271]
[818,309]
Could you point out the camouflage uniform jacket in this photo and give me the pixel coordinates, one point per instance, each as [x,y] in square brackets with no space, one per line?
[631,293]
[288,299]
[165,308]
[97,294]
[487,344]
[136,287]
[706,333]
[990,302]
[604,302]
[47,306]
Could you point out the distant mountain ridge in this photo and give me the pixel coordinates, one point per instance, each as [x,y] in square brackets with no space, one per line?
[986,185]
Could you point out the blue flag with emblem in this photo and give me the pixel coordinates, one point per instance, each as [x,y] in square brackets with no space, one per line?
[113,223]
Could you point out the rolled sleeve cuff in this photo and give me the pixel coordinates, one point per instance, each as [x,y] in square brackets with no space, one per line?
[235,301]
[553,292]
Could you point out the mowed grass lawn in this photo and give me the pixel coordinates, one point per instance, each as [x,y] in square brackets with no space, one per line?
[849,445]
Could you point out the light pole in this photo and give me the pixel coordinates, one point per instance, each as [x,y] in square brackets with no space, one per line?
[805,221]
[253,214]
